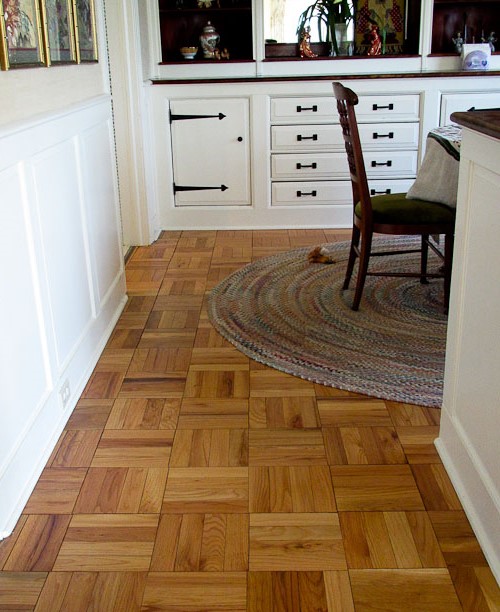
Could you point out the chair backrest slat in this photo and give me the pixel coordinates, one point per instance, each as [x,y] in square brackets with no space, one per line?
[346,101]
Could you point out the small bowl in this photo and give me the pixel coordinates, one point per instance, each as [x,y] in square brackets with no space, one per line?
[188,52]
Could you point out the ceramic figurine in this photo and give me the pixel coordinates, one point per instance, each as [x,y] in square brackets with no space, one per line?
[375,42]
[458,42]
[491,40]
[305,43]
[208,40]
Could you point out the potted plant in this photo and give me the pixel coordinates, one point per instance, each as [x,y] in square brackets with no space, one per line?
[332,17]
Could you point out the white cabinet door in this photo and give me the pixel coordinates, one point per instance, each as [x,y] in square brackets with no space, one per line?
[211,152]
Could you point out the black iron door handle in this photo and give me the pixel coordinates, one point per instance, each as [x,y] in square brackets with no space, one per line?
[313,137]
[197,187]
[314,165]
[388,163]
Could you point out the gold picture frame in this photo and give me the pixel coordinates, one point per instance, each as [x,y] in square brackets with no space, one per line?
[59,31]
[86,39]
[21,34]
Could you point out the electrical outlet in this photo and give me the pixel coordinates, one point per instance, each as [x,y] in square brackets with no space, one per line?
[65,393]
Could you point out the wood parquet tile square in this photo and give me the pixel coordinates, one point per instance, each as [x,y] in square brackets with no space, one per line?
[196,592]
[90,414]
[363,446]
[291,591]
[286,447]
[98,591]
[20,590]
[190,478]
[283,413]
[213,414]
[418,590]
[134,448]
[299,541]
[122,490]
[38,543]
[291,489]
[144,413]
[353,413]
[375,487]
[56,491]
[201,543]
[378,540]
[206,490]
[108,542]
[210,448]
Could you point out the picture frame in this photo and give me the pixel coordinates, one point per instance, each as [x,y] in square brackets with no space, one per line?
[21,34]
[59,31]
[389,16]
[86,47]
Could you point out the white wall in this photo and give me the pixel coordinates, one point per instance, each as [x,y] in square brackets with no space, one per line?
[62,274]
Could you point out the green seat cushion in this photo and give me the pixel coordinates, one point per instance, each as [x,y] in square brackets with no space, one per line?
[394,208]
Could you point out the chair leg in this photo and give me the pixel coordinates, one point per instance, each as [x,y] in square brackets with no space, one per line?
[364,257]
[423,259]
[352,256]
[449,240]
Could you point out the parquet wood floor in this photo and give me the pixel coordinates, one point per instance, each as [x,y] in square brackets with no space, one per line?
[190,478]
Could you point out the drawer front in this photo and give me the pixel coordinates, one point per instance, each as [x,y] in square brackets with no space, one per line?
[302,110]
[390,163]
[379,187]
[312,193]
[334,165]
[321,137]
[309,165]
[306,137]
[389,136]
[388,108]
[371,108]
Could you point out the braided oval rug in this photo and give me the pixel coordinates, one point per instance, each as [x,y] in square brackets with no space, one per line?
[292,315]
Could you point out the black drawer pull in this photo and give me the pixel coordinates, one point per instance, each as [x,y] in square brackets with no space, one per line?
[383,192]
[389,135]
[388,163]
[314,165]
[313,137]
[377,107]
[313,193]
[313,108]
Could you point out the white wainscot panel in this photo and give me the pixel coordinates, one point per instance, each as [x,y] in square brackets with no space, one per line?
[64,247]
[24,368]
[102,216]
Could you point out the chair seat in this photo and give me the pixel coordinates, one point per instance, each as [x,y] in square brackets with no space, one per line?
[395,209]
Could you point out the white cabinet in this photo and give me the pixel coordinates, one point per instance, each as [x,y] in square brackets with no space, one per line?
[211,152]
[459,102]
[308,159]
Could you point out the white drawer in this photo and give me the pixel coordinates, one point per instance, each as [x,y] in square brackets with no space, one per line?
[388,136]
[329,137]
[306,137]
[309,165]
[370,108]
[388,108]
[389,185]
[334,165]
[312,193]
[396,164]
[302,110]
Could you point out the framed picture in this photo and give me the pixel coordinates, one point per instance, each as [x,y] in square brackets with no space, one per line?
[389,18]
[20,30]
[85,28]
[59,31]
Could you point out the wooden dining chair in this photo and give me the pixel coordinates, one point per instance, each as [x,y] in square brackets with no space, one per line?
[389,214]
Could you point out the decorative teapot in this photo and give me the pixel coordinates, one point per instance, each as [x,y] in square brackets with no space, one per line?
[208,40]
